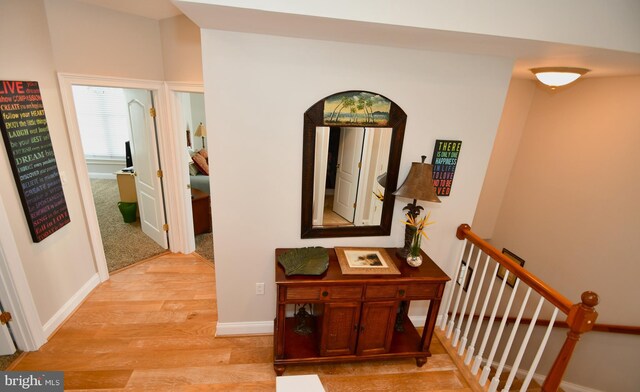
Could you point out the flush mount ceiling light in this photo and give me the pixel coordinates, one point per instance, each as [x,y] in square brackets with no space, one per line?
[558,76]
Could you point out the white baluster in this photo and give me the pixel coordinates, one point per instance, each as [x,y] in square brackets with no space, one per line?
[543,344]
[472,312]
[507,347]
[494,384]
[503,322]
[523,347]
[471,349]
[464,306]
[447,302]
[478,360]
[455,307]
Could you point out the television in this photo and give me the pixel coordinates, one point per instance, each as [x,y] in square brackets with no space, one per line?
[127,155]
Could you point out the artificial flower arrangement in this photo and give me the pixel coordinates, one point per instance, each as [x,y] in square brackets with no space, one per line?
[419,225]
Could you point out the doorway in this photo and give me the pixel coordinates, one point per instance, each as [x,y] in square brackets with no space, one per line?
[190,122]
[119,141]
[349,161]
[8,350]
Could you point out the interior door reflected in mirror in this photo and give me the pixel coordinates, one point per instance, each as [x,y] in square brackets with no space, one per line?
[348,160]
[350,139]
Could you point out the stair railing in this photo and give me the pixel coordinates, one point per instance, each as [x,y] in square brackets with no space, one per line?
[462,326]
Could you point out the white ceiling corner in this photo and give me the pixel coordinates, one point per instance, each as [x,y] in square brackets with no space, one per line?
[152,9]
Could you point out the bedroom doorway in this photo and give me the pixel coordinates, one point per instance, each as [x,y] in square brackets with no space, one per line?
[190,122]
[118,132]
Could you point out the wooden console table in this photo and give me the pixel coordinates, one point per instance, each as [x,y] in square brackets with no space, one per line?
[356,317]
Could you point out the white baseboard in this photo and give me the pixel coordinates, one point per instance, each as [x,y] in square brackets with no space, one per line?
[571,387]
[418,321]
[244,328]
[539,378]
[102,176]
[54,322]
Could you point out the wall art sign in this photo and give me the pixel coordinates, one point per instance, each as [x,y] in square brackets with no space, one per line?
[26,137]
[444,161]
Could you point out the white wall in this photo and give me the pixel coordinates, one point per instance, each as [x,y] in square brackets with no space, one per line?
[571,211]
[97,41]
[257,90]
[505,148]
[181,52]
[197,117]
[59,266]
[104,168]
[568,21]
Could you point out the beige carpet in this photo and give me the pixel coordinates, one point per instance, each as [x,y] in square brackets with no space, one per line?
[204,246]
[124,243]
[5,360]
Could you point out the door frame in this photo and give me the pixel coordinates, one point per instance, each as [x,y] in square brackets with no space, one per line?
[182,202]
[166,146]
[15,293]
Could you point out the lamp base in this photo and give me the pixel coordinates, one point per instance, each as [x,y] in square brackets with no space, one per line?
[409,233]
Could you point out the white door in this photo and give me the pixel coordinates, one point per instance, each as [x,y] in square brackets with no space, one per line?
[6,342]
[146,164]
[348,172]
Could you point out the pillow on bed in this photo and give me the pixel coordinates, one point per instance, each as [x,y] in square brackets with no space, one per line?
[201,163]
[204,153]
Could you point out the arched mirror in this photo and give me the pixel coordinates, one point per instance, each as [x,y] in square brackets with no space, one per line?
[351,155]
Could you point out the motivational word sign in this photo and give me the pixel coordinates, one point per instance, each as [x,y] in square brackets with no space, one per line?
[444,161]
[26,138]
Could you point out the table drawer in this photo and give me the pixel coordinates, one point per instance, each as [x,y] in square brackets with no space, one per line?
[323,293]
[307,293]
[381,291]
[421,291]
[401,291]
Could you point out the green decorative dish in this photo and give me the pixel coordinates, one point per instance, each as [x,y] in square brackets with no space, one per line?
[305,261]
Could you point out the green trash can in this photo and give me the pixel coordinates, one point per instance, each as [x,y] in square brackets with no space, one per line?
[128,211]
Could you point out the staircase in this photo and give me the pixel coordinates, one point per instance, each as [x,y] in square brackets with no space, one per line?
[488,320]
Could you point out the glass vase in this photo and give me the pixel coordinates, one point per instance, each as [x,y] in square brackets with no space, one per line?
[414,258]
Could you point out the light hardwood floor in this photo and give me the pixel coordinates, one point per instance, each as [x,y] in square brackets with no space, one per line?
[151,327]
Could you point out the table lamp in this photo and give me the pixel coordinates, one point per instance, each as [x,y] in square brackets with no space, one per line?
[417,186]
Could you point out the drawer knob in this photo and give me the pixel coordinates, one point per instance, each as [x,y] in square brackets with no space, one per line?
[325,293]
[401,292]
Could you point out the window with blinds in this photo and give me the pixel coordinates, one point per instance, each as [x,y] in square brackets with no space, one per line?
[103,121]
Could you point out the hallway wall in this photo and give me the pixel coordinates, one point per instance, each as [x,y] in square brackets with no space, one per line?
[571,211]
[60,266]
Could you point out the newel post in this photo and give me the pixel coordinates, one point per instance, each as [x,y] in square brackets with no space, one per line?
[581,319]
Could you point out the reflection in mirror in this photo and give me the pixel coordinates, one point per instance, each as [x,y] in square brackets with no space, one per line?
[350,139]
[347,162]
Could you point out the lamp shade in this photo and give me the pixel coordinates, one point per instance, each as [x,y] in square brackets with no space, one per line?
[558,76]
[382,179]
[419,183]
[201,131]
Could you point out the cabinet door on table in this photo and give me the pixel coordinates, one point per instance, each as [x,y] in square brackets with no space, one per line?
[376,327]
[339,328]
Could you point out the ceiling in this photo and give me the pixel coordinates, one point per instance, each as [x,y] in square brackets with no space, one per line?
[528,54]
[152,9]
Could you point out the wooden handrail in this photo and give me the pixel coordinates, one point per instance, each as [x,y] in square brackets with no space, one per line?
[581,317]
[551,295]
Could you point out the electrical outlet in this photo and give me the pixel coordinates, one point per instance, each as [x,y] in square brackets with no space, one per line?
[259,288]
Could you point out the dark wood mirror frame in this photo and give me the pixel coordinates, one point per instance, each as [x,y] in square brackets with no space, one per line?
[313,118]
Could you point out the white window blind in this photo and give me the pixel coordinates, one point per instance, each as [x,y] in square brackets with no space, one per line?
[103,121]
